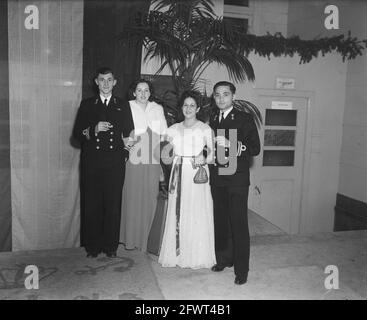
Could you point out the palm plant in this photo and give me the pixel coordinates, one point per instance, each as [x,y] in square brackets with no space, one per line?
[186,36]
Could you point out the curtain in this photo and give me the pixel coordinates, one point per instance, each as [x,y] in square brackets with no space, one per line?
[45,85]
[5,199]
[47,65]
[103,21]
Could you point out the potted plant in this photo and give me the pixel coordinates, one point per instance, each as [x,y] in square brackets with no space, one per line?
[186,36]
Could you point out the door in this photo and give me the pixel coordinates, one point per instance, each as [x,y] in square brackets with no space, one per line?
[277,173]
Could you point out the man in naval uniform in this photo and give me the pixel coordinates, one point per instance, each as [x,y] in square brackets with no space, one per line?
[100,126]
[236,140]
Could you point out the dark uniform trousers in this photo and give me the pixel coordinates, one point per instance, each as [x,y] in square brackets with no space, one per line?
[103,160]
[232,239]
[230,191]
[103,189]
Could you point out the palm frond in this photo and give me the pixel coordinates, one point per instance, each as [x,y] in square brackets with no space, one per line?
[237,65]
[185,8]
[187,36]
[250,108]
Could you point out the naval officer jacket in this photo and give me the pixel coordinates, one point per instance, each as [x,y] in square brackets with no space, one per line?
[245,145]
[107,147]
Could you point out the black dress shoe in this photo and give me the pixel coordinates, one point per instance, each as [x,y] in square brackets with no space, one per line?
[220,267]
[92,255]
[241,279]
[111,254]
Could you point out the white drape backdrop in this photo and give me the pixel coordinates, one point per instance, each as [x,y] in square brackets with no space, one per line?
[45,67]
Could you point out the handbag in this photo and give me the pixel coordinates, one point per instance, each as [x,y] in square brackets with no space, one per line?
[201,176]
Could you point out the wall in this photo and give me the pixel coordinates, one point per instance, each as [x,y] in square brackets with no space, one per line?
[353,161]
[270,16]
[306,19]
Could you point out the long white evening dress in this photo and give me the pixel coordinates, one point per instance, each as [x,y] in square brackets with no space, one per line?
[190,242]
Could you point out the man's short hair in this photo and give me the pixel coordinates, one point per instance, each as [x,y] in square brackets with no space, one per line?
[225,84]
[103,70]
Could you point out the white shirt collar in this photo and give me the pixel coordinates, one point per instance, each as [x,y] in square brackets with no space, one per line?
[152,117]
[227,112]
[104,98]
[140,107]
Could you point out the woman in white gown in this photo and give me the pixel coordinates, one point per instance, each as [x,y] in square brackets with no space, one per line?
[188,239]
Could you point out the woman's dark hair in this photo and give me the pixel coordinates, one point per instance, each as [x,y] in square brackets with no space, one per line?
[190,94]
[135,83]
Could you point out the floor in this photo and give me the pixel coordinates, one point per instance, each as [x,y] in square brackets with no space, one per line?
[327,266]
[281,267]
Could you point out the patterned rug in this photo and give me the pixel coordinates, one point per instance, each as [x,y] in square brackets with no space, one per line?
[67,274]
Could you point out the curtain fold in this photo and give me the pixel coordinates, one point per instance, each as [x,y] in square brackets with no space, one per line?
[45,84]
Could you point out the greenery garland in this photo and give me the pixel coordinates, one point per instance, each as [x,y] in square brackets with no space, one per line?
[348,47]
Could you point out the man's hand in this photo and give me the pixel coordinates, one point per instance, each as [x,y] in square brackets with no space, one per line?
[222,141]
[103,126]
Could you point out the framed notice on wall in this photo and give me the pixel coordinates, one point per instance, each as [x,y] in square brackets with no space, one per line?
[285,105]
[285,83]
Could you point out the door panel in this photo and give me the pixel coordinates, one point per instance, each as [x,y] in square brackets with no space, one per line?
[277,172]
[277,195]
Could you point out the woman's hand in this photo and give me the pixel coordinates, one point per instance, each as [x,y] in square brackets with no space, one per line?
[129,143]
